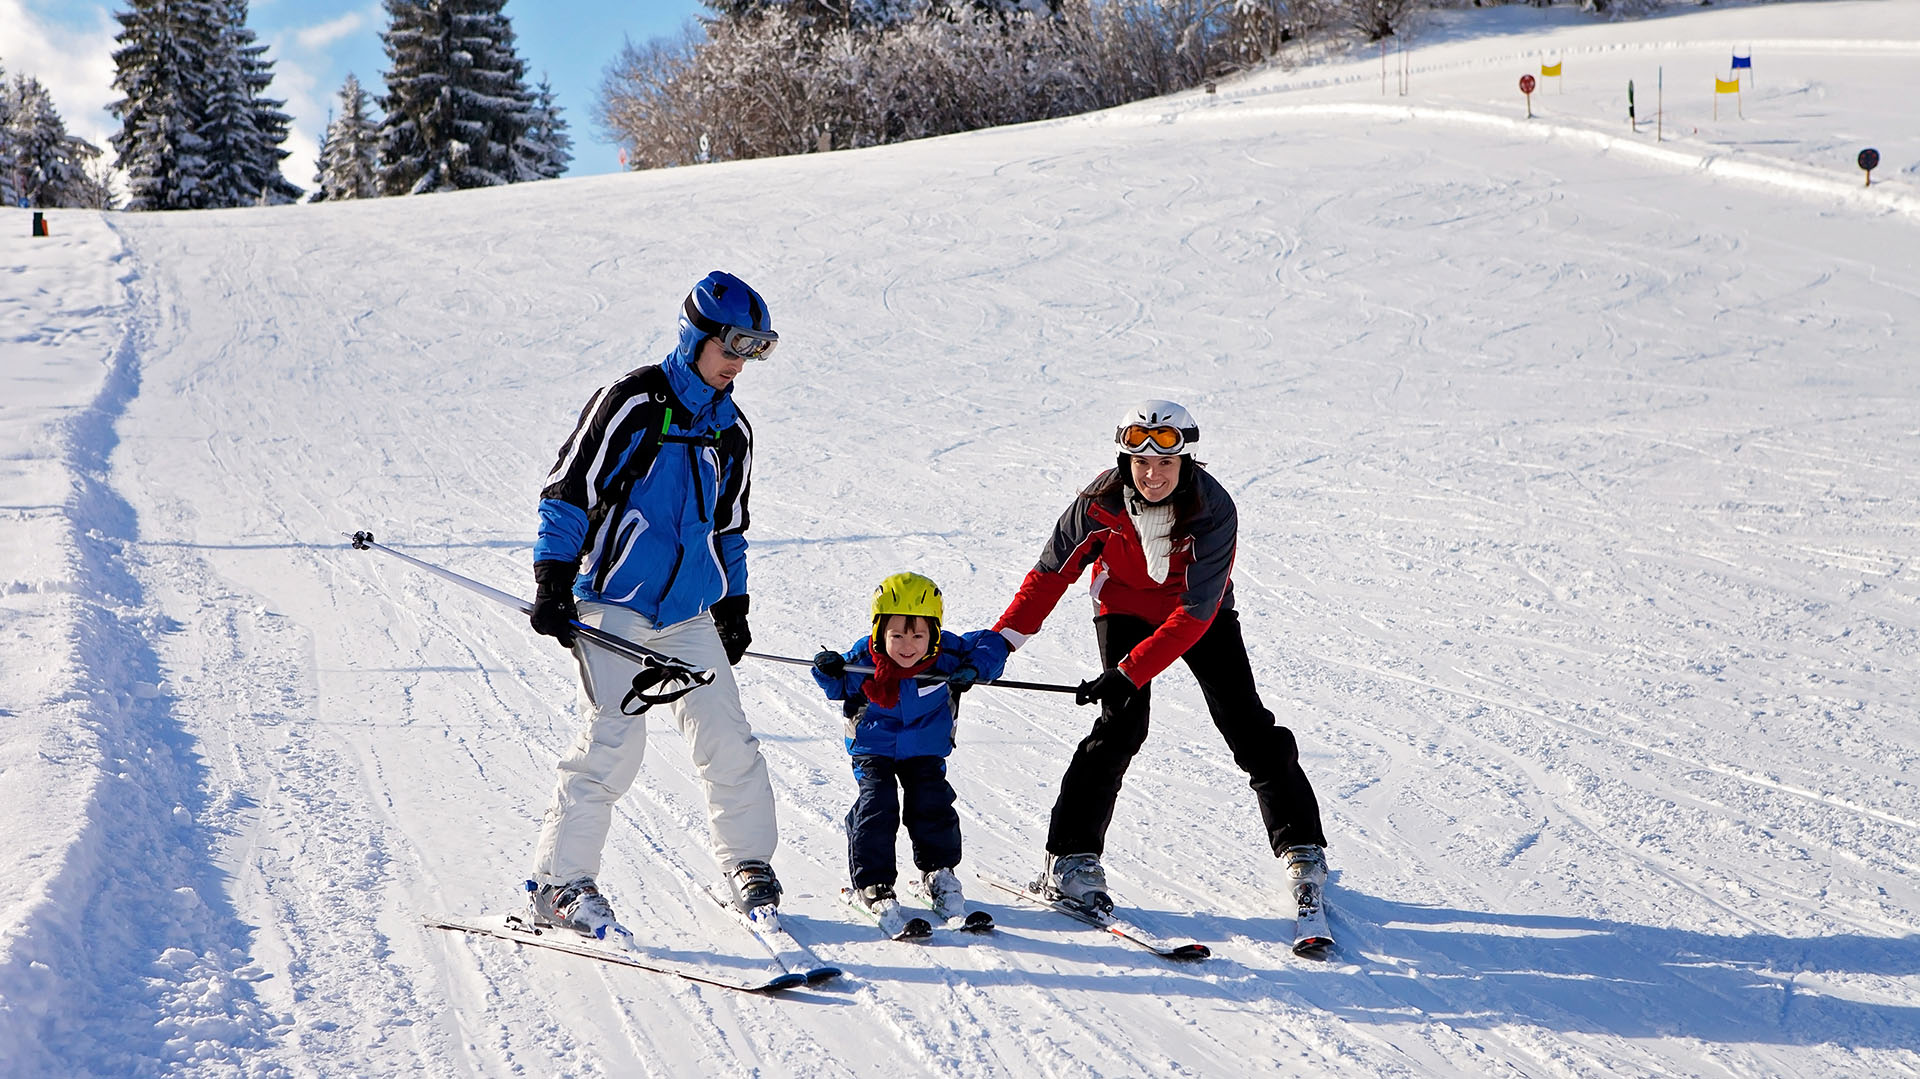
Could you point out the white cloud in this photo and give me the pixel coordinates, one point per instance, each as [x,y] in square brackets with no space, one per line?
[74,62]
[294,83]
[306,74]
[317,37]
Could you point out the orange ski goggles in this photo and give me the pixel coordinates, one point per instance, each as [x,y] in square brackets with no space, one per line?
[1140,438]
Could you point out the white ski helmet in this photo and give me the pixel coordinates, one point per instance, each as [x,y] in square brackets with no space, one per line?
[1157,429]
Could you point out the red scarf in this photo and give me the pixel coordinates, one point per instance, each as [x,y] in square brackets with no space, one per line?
[882,687]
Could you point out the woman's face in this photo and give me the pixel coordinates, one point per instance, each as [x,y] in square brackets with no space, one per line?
[905,638]
[1155,477]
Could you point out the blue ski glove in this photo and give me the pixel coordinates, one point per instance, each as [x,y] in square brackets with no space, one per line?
[553,612]
[830,663]
[1113,687]
[962,679]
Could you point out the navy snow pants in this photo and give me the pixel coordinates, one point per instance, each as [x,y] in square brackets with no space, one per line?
[874,821]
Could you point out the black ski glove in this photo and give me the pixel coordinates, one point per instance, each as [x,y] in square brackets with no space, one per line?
[730,618]
[830,663]
[1112,687]
[553,610]
[962,679]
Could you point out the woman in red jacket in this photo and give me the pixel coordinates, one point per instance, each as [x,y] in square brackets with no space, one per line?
[1159,533]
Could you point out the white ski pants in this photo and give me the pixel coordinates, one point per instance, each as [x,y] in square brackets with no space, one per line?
[605,760]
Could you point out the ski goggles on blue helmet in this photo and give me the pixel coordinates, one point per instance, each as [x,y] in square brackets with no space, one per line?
[743,342]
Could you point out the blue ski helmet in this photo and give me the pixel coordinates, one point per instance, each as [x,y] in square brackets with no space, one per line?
[721,305]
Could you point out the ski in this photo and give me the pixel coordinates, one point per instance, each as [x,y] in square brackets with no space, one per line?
[967,919]
[893,919]
[1119,927]
[1311,937]
[764,924]
[519,930]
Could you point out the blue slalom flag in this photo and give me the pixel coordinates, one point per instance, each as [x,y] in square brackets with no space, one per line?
[1743,61]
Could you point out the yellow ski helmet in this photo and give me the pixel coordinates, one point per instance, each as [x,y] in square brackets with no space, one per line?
[909,594]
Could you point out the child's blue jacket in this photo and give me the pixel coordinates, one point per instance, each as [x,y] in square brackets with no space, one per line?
[921,725]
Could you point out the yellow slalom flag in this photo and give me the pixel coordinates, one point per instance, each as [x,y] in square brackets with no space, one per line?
[1722,86]
[1550,70]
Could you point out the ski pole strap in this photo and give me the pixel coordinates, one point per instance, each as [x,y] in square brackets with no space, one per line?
[855,668]
[654,674]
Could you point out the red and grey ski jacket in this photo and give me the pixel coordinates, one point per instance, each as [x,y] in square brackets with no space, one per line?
[1098,532]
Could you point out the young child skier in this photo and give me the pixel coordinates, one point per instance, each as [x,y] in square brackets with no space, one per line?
[900,730]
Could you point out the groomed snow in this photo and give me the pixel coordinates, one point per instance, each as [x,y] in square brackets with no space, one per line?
[1578,503]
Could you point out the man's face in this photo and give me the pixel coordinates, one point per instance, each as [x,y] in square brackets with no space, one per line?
[716,366]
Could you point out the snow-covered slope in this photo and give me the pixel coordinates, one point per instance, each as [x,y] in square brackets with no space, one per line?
[1577,497]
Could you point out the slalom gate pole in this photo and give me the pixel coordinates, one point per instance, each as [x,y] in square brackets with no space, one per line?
[619,646]
[855,668]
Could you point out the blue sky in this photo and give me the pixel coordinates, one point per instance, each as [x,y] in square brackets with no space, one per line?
[67,45]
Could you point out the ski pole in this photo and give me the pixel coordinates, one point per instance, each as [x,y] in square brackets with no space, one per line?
[855,668]
[663,666]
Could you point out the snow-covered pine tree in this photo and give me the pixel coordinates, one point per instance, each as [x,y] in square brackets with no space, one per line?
[226,122]
[49,166]
[9,193]
[457,103]
[320,162]
[350,151]
[270,124]
[547,148]
[161,67]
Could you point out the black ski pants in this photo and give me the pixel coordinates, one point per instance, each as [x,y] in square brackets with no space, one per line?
[1263,749]
[874,821]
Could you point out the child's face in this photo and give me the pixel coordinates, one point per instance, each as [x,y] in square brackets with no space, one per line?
[905,637]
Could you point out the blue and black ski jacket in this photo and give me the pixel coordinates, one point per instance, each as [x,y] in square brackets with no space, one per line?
[649,495]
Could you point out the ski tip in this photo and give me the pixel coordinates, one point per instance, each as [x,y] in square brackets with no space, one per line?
[791,980]
[821,974]
[1191,951]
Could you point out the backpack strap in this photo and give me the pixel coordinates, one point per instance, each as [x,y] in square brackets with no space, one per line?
[651,381]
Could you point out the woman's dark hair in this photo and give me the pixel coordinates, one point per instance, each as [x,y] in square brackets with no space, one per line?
[1187,501]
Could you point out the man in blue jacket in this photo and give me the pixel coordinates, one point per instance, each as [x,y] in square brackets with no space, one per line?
[642,534]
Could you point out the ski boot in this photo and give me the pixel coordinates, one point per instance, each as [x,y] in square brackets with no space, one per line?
[754,885]
[1307,865]
[942,890]
[576,905]
[944,894]
[883,906]
[877,897]
[1306,880]
[1078,879]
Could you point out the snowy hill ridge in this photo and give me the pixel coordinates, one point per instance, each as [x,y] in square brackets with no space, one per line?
[1575,482]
